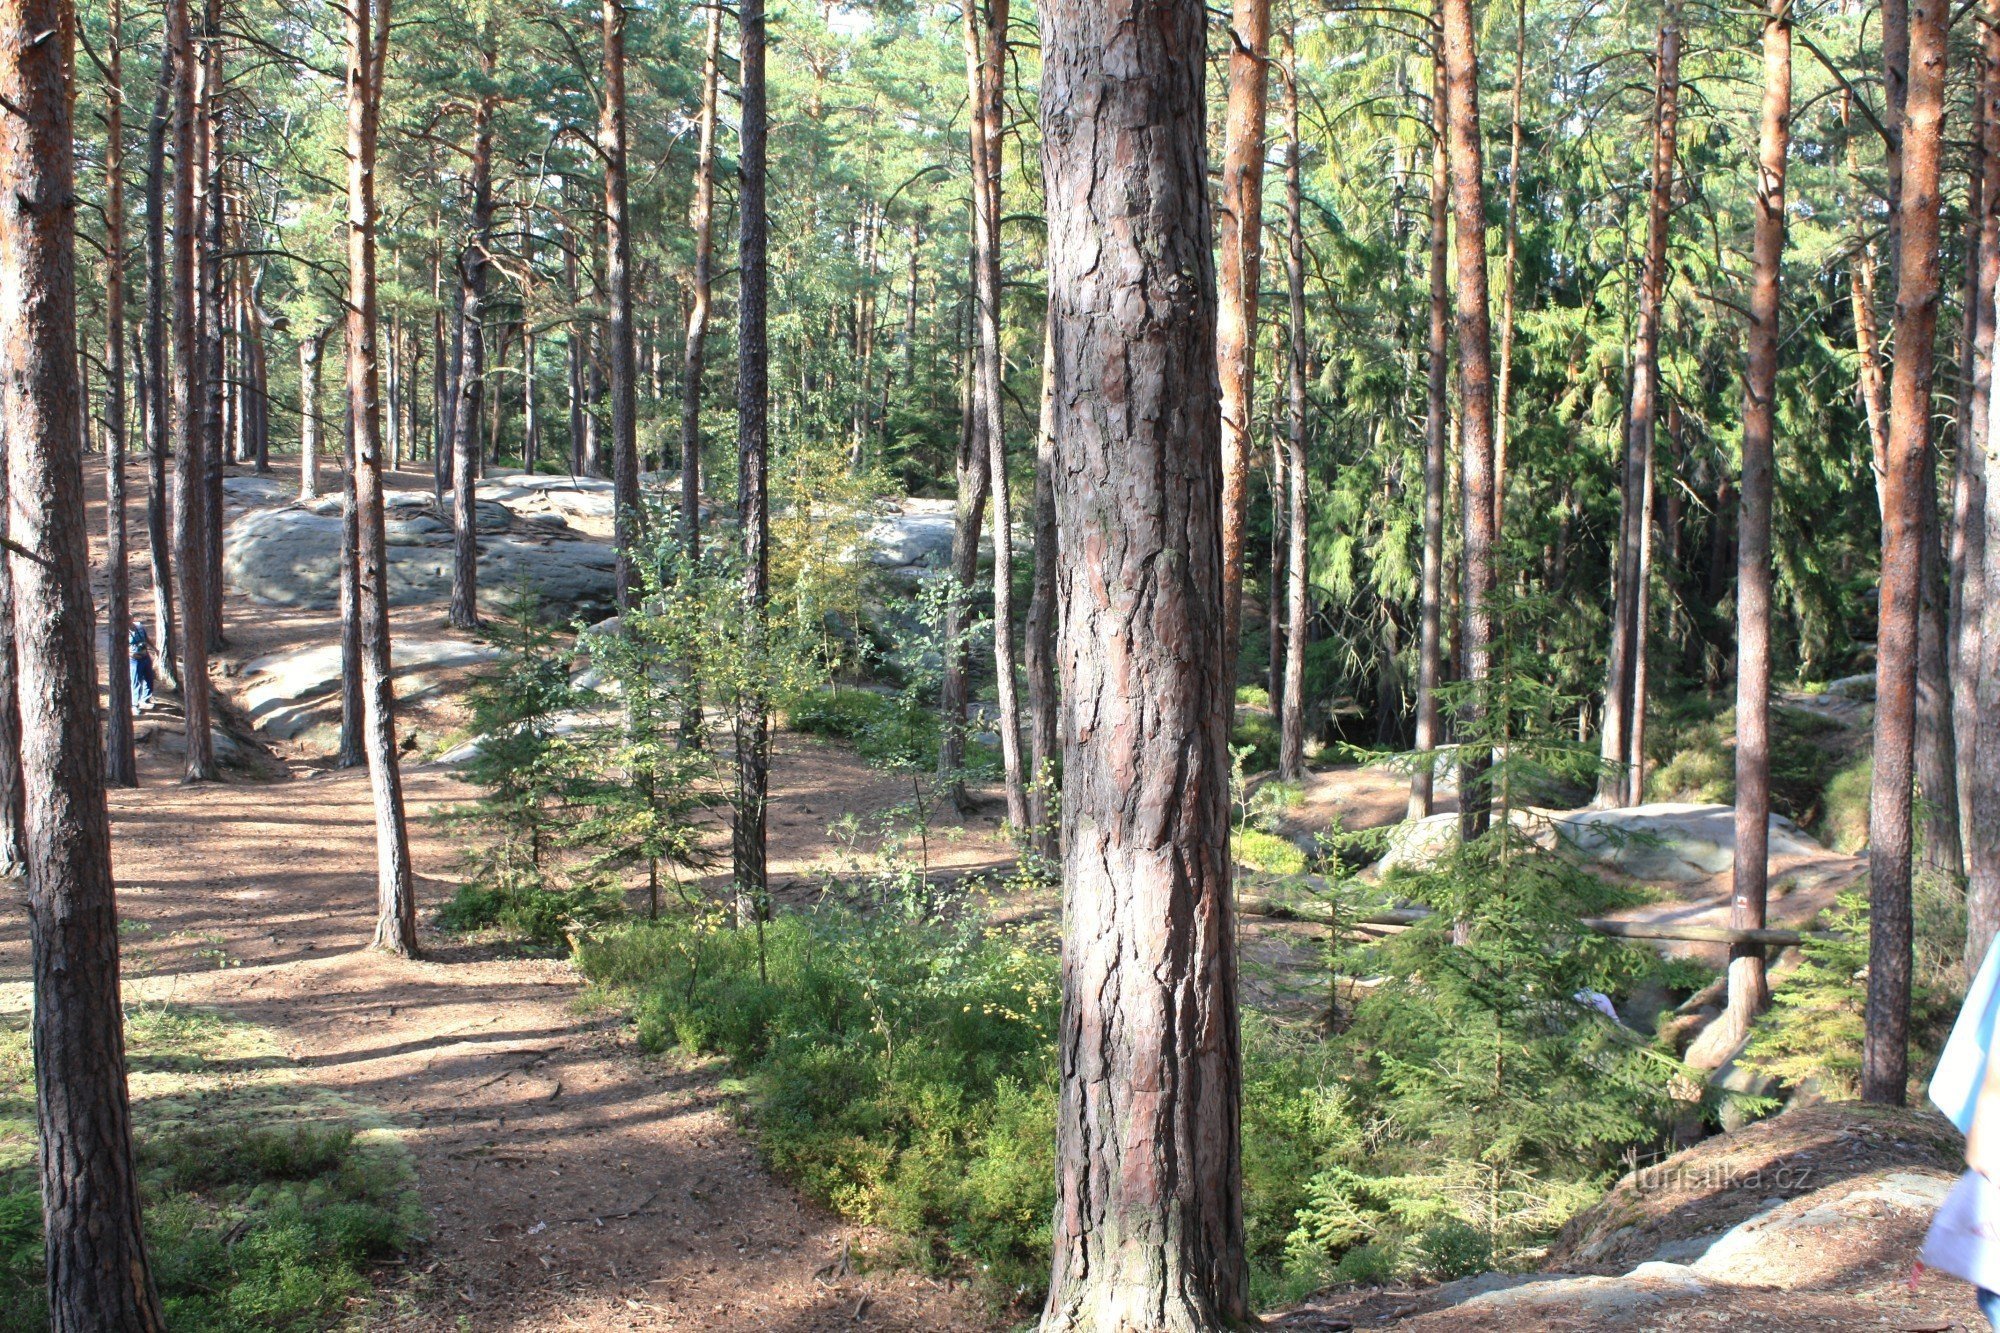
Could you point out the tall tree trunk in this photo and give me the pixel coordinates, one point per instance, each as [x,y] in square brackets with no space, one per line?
[1968,527]
[628,518]
[190,509]
[353,707]
[1239,220]
[1622,704]
[1292,706]
[211,206]
[1748,992]
[1149,1223]
[1437,442]
[311,348]
[121,765]
[93,1244]
[159,414]
[1504,404]
[1885,1051]
[472,268]
[1936,744]
[1045,830]
[753,507]
[971,473]
[531,412]
[694,354]
[1979,584]
[396,889]
[1475,395]
[13,813]
[985,68]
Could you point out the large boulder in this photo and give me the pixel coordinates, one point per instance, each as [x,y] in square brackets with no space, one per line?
[1671,841]
[282,691]
[291,557]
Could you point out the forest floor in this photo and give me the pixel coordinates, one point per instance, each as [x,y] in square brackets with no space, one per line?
[573,1183]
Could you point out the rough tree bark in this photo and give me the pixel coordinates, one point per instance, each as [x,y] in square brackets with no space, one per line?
[159,423]
[1292,704]
[694,355]
[190,508]
[97,1274]
[970,472]
[1437,431]
[1509,262]
[753,506]
[350,753]
[1148,1224]
[620,357]
[1979,620]
[311,348]
[396,889]
[1044,825]
[1748,992]
[986,70]
[121,765]
[1475,395]
[211,208]
[1968,555]
[1239,224]
[1622,702]
[1885,1050]
[471,379]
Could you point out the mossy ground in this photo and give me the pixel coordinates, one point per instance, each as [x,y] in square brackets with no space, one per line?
[268,1203]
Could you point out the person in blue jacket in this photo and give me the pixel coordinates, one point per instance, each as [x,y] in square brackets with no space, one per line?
[140,652]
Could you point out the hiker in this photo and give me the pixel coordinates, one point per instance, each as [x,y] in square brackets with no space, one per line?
[1964,1238]
[141,653]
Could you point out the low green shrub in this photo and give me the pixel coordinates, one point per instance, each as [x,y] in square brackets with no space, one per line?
[1843,820]
[267,1207]
[545,913]
[900,1065]
[1812,1034]
[1266,852]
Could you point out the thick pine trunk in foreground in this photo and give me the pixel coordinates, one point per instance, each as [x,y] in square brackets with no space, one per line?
[1748,992]
[1885,1052]
[1239,226]
[619,354]
[1148,1225]
[753,505]
[694,356]
[98,1278]
[471,368]
[190,508]
[396,889]
[1624,700]
[1437,430]
[121,766]
[1475,394]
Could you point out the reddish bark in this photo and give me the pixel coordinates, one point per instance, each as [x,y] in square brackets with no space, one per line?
[1885,1051]
[1475,396]
[1148,1225]
[1437,429]
[753,504]
[1239,225]
[94,1249]
[620,357]
[1748,992]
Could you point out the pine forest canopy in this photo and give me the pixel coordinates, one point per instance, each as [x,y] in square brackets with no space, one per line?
[1494,386]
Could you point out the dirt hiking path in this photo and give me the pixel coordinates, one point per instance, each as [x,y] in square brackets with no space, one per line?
[572,1184]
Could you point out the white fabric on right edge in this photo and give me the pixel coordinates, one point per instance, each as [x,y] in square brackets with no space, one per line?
[1964,1238]
[1961,1069]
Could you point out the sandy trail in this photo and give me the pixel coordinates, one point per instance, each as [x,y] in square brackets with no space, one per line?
[572,1182]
